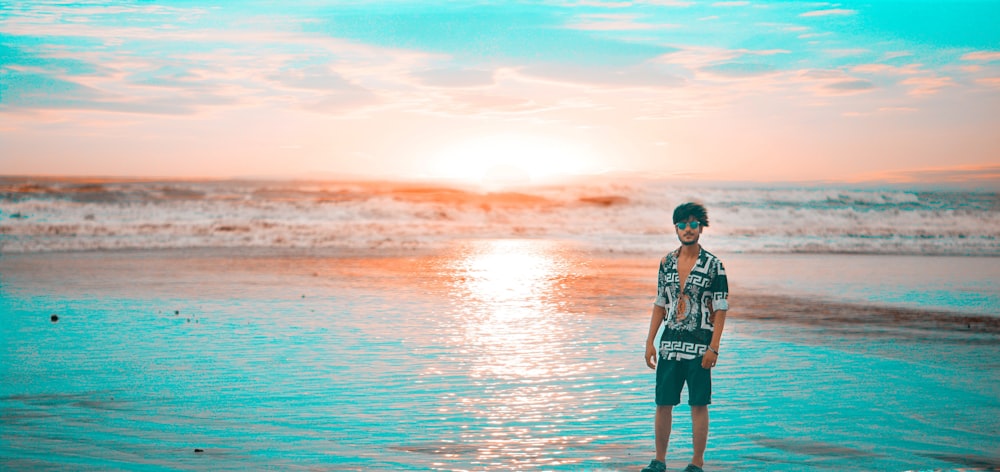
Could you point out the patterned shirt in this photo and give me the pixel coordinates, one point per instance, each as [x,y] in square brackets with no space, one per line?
[688,322]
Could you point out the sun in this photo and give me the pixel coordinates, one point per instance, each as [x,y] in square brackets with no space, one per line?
[508,160]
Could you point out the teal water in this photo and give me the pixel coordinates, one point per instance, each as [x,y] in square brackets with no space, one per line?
[494,355]
[952,284]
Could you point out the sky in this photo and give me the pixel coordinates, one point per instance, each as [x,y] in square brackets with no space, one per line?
[764,91]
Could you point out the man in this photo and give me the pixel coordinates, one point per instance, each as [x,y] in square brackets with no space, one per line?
[691,299]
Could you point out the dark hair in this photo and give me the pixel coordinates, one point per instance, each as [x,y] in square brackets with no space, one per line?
[689,209]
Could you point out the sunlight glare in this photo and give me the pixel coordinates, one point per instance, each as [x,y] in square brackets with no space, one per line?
[508,285]
[507,160]
[518,337]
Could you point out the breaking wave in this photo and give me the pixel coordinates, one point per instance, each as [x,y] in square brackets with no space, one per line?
[72,215]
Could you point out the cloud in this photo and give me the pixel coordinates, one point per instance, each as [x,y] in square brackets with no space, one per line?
[717,64]
[822,74]
[321,89]
[814,35]
[989,81]
[489,103]
[847,52]
[918,81]
[167,75]
[829,12]
[982,56]
[617,26]
[318,77]
[849,86]
[827,82]
[597,4]
[739,69]
[194,70]
[455,77]
[615,23]
[339,102]
[27,90]
[927,85]
[765,52]
[665,3]
[649,74]
[730,4]
[694,58]
[896,54]
[885,69]
[881,111]
[789,28]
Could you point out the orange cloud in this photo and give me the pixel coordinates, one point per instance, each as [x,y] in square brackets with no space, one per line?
[927,85]
[989,81]
[886,69]
[985,56]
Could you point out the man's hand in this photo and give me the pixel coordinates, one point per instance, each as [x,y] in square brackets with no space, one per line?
[708,360]
[651,356]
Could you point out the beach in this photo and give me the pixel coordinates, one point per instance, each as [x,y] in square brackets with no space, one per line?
[409,235]
[486,354]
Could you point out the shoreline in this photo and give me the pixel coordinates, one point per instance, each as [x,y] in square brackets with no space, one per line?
[392,248]
[857,318]
[756,294]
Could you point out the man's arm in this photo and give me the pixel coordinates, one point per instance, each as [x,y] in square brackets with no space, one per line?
[655,319]
[711,355]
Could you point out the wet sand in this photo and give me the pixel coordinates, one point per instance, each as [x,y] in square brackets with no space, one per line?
[863,320]
[507,355]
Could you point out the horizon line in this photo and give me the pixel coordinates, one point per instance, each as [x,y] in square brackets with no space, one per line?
[990,184]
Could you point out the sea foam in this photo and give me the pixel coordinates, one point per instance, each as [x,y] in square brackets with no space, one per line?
[620,216]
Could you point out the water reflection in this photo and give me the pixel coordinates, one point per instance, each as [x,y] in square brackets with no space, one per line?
[518,338]
[511,321]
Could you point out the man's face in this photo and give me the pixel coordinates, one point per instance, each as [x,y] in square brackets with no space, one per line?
[688,235]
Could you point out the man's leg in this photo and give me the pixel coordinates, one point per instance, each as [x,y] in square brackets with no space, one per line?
[664,418]
[699,427]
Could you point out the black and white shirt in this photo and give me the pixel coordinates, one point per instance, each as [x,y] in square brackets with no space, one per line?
[688,321]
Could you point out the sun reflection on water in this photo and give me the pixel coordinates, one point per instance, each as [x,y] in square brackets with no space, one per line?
[517,340]
[512,319]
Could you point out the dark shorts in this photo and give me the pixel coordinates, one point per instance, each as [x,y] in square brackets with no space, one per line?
[671,377]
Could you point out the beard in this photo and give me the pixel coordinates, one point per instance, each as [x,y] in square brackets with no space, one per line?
[691,242]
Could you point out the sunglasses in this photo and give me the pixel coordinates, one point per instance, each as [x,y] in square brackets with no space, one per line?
[684,224]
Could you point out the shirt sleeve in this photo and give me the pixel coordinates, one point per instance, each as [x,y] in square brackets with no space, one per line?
[720,290]
[661,285]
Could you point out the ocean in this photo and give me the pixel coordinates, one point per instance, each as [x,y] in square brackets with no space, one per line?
[242,325]
[607,215]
